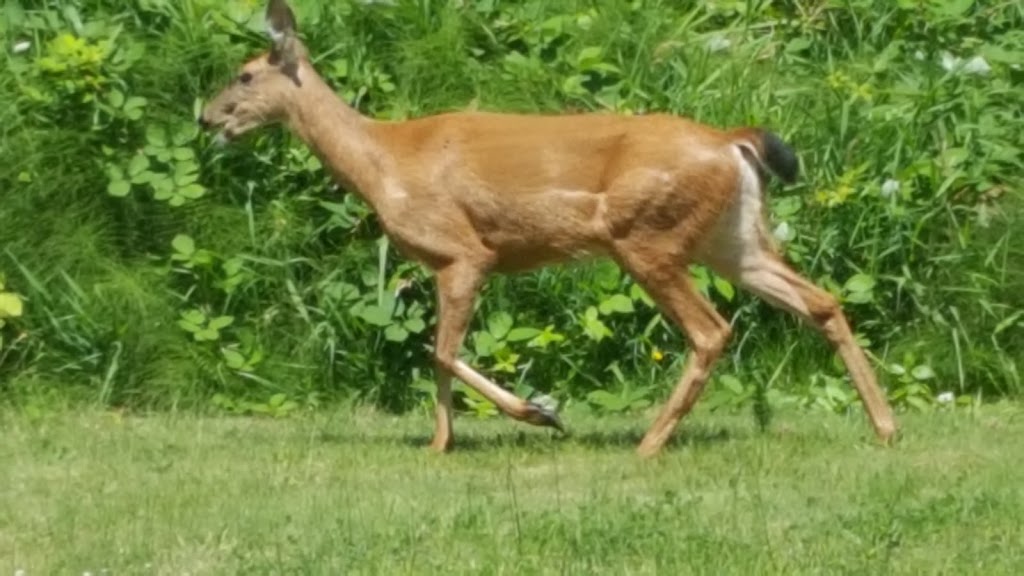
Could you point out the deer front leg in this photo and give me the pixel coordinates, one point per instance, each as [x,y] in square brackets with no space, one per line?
[442,441]
[707,333]
[668,283]
[457,287]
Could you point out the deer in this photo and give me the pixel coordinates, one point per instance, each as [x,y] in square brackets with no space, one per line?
[468,194]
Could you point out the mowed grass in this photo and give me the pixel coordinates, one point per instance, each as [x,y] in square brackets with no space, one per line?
[352,492]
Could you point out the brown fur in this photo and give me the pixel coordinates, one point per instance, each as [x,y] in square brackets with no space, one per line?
[470,194]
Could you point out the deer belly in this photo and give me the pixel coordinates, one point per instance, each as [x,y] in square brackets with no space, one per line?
[530,230]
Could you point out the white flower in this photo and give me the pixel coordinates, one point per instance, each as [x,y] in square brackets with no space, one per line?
[718,43]
[783,232]
[977,65]
[890,187]
[945,398]
[22,46]
[950,62]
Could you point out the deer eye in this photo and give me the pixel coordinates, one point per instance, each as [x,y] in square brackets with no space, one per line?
[245,78]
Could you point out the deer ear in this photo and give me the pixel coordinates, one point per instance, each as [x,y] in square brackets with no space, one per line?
[281,28]
[280,22]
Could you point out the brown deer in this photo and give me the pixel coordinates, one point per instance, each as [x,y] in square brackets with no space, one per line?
[469,194]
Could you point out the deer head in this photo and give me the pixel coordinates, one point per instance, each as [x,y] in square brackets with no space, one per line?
[261,92]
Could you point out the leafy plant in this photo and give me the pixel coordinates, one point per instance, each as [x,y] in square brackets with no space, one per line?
[124,227]
[167,165]
[204,328]
[11,307]
[912,383]
[627,399]
[277,406]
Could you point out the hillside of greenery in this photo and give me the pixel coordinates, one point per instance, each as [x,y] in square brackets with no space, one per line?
[142,266]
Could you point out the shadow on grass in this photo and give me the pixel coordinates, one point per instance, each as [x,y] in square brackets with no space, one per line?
[694,435]
[482,441]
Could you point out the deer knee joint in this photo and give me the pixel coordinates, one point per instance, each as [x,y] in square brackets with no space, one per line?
[721,338]
[444,362]
[828,315]
[710,344]
[823,307]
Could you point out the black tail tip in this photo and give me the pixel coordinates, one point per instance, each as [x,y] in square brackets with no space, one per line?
[780,157]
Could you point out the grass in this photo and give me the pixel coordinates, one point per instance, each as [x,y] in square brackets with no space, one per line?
[356,492]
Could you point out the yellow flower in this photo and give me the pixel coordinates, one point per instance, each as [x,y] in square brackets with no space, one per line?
[864,91]
[834,197]
[844,188]
[657,355]
[837,80]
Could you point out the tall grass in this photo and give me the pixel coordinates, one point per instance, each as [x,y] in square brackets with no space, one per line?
[909,208]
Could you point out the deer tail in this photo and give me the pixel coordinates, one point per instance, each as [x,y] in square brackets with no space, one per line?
[770,152]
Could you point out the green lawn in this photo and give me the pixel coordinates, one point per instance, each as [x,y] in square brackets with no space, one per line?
[356,492]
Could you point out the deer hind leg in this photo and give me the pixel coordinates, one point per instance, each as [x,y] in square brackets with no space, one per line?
[765,274]
[457,287]
[669,284]
[739,248]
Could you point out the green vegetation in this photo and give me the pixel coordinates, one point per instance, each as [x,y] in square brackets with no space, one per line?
[154,288]
[354,492]
[142,267]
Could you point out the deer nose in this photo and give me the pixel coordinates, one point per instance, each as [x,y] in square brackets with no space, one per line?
[202,122]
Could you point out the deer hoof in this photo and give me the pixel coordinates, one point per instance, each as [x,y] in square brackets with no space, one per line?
[440,445]
[542,416]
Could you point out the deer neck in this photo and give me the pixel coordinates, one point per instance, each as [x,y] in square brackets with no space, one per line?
[340,136]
